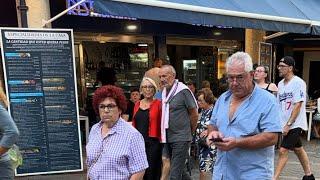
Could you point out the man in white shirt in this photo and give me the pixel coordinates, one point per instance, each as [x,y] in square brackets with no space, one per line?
[292,99]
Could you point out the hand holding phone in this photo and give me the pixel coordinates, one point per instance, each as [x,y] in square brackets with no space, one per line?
[216,140]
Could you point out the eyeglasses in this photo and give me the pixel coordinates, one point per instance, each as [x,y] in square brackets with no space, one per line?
[239,78]
[109,107]
[282,66]
[259,71]
[147,87]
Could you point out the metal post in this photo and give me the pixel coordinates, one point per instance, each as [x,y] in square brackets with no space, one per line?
[44,23]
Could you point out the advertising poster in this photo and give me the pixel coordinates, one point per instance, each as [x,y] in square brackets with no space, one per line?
[39,70]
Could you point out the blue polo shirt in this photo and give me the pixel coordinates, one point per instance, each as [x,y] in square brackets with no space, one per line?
[258,113]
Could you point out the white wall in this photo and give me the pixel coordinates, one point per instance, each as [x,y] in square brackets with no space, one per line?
[38,10]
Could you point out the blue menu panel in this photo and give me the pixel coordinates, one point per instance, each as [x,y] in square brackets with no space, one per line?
[39,71]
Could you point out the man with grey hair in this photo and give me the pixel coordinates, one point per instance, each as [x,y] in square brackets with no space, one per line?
[178,121]
[244,125]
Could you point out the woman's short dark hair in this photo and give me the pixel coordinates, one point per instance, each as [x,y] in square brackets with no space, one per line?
[135,90]
[207,95]
[112,92]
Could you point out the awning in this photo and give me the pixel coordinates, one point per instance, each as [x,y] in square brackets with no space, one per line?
[311,9]
[269,15]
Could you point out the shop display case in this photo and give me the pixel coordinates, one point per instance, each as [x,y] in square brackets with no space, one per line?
[129,80]
[132,75]
[128,60]
[190,70]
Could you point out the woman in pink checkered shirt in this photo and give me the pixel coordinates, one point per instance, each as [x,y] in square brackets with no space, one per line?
[115,149]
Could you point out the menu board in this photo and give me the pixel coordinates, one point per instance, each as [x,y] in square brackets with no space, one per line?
[39,70]
[265,57]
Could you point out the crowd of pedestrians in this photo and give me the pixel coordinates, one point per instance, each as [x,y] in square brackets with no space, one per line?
[149,136]
[235,135]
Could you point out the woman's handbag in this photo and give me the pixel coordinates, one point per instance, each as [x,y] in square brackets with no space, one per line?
[15,156]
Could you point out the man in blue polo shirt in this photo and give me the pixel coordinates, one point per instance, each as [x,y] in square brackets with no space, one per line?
[244,125]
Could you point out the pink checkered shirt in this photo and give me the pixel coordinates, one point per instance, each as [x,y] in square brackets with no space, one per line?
[119,155]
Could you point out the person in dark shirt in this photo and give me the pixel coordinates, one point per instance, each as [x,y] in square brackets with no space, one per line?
[105,75]
[192,86]
[147,120]
[134,97]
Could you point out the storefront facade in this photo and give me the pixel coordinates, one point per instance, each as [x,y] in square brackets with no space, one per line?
[132,51]
[305,49]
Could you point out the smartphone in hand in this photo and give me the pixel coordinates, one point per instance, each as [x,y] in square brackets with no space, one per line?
[216,140]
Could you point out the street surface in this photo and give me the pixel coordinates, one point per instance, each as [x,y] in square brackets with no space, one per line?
[292,171]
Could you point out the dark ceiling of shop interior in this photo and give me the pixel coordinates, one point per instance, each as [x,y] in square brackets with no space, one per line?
[8,13]
[95,24]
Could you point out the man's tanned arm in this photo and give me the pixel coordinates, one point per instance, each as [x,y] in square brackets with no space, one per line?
[193,113]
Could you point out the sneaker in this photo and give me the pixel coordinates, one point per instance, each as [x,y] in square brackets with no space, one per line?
[310,177]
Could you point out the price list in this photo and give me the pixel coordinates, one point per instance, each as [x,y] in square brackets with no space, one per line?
[40,83]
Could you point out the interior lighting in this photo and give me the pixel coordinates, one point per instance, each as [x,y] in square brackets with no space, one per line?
[217,33]
[143,45]
[132,27]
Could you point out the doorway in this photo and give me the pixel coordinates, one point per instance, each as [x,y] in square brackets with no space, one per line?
[314,75]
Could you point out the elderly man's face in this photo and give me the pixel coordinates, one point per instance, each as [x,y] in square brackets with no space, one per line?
[240,81]
[166,77]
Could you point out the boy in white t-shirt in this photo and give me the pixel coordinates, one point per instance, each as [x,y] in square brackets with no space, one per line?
[292,99]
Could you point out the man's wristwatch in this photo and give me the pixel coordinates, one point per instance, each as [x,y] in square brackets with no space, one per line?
[289,123]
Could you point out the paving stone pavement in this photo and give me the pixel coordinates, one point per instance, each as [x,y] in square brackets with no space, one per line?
[292,171]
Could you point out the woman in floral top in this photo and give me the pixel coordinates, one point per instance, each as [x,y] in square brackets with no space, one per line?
[207,155]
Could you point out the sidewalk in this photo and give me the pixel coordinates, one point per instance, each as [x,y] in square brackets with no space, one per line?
[292,171]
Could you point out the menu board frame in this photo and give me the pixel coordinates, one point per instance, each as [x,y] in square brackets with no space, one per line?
[265,56]
[76,164]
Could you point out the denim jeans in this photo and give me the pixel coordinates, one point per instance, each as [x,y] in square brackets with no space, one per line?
[178,155]
[6,169]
